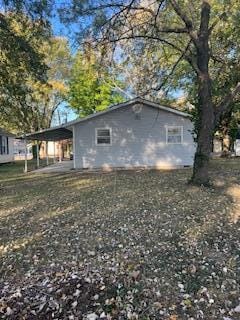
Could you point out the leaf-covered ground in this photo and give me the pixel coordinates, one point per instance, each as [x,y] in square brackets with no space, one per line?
[120,245]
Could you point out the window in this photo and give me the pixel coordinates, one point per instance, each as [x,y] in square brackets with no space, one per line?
[4,145]
[174,135]
[103,136]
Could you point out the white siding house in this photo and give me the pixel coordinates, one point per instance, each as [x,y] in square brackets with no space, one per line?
[6,146]
[133,134]
[136,133]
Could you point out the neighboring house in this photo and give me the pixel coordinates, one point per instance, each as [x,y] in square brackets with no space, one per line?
[218,146]
[6,146]
[19,150]
[132,134]
[60,148]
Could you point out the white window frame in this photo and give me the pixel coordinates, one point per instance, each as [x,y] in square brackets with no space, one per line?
[96,136]
[171,127]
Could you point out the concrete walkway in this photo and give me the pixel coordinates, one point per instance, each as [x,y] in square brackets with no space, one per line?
[63,166]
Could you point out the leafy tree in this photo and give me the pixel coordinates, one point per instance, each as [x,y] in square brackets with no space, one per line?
[204,34]
[47,97]
[91,87]
[28,101]
[39,9]
[21,59]
[228,129]
[23,27]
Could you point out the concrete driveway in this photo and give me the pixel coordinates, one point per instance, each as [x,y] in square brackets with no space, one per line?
[63,166]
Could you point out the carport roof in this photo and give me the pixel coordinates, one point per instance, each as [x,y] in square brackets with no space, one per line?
[51,134]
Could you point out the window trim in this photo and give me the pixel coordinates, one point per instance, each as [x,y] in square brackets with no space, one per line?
[96,136]
[169,127]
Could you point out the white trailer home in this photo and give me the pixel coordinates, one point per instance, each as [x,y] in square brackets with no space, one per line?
[6,146]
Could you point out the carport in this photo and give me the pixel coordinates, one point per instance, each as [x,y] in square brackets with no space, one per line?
[55,134]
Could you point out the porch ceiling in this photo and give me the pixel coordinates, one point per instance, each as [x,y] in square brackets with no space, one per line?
[54,134]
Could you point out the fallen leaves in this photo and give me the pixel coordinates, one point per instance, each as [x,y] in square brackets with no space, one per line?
[155,248]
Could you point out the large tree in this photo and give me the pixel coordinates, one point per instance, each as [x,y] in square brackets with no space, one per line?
[23,27]
[92,87]
[33,84]
[46,98]
[202,33]
[21,60]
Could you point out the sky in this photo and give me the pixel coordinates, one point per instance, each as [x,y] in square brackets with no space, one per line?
[59,29]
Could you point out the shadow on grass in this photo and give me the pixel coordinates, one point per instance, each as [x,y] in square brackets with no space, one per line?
[148,220]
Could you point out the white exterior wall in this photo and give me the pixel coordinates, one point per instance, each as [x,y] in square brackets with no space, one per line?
[4,158]
[237,147]
[135,142]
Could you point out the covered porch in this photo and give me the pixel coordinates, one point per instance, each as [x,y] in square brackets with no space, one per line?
[55,136]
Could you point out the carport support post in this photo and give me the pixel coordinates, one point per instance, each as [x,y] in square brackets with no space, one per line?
[60,151]
[47,160]
[37,154]
[25,158]
[54,146]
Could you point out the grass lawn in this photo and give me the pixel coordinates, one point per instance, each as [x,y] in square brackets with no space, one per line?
[120,245]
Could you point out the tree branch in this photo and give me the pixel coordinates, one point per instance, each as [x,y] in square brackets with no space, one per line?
[173,30]
[205,17]
[144,37]
[188,22]
[173,68]
[158,10]
[215,23]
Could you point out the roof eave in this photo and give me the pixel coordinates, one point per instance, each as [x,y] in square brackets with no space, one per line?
[127,103]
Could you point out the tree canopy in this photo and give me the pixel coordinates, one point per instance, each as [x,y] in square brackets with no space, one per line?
[92,88]
[33,78]
[21,60]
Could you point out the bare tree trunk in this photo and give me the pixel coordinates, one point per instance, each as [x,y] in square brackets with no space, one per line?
[205,134]
[206,117]
[209,115]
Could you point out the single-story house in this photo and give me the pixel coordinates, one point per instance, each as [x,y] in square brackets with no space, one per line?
[6,146]
[136,133]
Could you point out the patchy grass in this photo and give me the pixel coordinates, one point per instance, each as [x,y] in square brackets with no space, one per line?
[120,245]
[17,168]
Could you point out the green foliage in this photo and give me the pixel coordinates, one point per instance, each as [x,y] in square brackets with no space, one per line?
[91,88]
[34,8]
[48,96]
[21,40]
[34,67]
